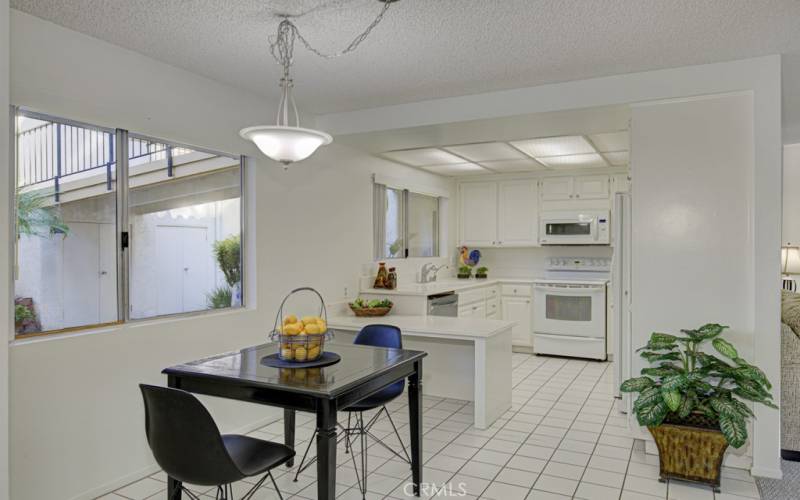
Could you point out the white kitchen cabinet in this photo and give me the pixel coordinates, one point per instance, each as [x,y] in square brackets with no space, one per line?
[557,188]
[497,214]
[518,213]
[591,187]
[476,310]
[520,310]
[579,187]
[620,183]
[478,213]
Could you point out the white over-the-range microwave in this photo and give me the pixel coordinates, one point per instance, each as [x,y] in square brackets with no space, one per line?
[574,227]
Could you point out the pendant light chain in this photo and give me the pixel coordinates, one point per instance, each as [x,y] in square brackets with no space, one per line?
[283,142]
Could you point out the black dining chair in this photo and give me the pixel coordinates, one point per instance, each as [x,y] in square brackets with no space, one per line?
[188,446]
[377,336]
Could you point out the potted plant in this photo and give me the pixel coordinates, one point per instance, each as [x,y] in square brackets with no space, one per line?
[690,401]
[481,272]
[228,253]
[464,272]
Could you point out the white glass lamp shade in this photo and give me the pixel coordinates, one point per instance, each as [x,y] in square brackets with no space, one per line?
[286,144]
[790,260]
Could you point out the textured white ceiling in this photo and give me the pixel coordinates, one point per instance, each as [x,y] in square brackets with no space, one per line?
[432,48]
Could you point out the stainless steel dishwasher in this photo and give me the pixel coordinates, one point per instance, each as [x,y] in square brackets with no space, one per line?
[443,304]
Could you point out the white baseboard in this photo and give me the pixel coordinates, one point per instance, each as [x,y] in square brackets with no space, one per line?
[152,469]
[767,472]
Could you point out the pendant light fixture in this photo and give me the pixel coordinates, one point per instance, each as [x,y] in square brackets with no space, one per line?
[285,142]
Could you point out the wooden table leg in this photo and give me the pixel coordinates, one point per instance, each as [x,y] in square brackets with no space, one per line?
[288,432]
[415,419]
[174,487]
[326,450]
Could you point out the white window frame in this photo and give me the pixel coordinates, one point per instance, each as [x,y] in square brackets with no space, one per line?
[379,220]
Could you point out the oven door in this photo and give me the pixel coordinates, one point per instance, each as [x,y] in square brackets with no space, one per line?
[570,309]
[582,231]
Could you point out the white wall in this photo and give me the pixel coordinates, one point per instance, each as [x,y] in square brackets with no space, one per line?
[791,195]
[76,413]
[5,278]
[692,250]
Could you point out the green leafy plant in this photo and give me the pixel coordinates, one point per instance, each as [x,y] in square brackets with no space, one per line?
[360,303]
[228,253]
[35,218]
[219,298]
[482,270]
[685,382]
[466,270]
[22,313]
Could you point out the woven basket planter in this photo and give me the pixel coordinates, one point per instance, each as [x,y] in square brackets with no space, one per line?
[691,451]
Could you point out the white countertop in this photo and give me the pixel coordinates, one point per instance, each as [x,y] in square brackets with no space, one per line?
[428,326]
[445,285]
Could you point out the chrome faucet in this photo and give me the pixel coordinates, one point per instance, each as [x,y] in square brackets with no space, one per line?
[427,269]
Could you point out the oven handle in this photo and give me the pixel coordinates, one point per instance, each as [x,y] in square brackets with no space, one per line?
[570,290]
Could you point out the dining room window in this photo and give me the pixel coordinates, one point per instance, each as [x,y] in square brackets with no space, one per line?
[114,226]
[406,223]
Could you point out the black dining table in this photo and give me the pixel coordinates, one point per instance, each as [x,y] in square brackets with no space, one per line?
[362,371]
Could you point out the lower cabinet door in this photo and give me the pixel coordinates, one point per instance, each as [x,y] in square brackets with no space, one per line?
[519,309]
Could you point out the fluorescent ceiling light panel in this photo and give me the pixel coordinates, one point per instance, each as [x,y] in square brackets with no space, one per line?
[526,165]
[574,161]
[423,157]
[486,151]
[555,146]
[611,141]
[618,158]
[456,169]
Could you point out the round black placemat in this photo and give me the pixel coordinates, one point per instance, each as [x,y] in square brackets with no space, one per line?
[327,358]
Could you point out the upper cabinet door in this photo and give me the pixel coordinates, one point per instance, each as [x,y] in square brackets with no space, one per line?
[478,213]
[620,183]
[557,188]
[518,213]
[591,187]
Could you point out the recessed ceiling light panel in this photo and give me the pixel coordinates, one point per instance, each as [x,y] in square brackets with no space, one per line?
[456,169]
[526,165]
[611,141]
[555,146]
[591,160]
[423,157]
[486,151]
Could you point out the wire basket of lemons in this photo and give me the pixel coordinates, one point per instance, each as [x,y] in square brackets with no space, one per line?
[302,339]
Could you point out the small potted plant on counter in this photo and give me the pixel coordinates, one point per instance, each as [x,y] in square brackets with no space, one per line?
[464,272]
[480,273]
[690,401]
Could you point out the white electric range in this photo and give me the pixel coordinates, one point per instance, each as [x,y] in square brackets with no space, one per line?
[569,307]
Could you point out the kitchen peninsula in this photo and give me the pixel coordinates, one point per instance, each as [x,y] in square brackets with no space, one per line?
[468,358]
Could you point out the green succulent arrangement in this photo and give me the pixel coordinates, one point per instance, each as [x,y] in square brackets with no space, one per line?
[686,381]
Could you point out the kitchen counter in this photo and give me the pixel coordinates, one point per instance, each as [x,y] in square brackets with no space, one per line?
[468,358]
[445,285]
[438,326]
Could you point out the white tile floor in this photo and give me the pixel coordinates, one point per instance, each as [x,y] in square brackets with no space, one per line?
[560,440]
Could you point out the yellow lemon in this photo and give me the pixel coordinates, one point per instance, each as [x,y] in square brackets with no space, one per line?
[313,344]
[313,353]
[323,327]
[288,320]
[309,319]
[313,328]
[293,329]
[300,354]
[287,354]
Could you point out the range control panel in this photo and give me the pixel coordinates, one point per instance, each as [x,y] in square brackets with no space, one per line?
[600,264]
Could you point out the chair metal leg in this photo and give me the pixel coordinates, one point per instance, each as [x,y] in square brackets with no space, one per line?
[301,467]
[347,441]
